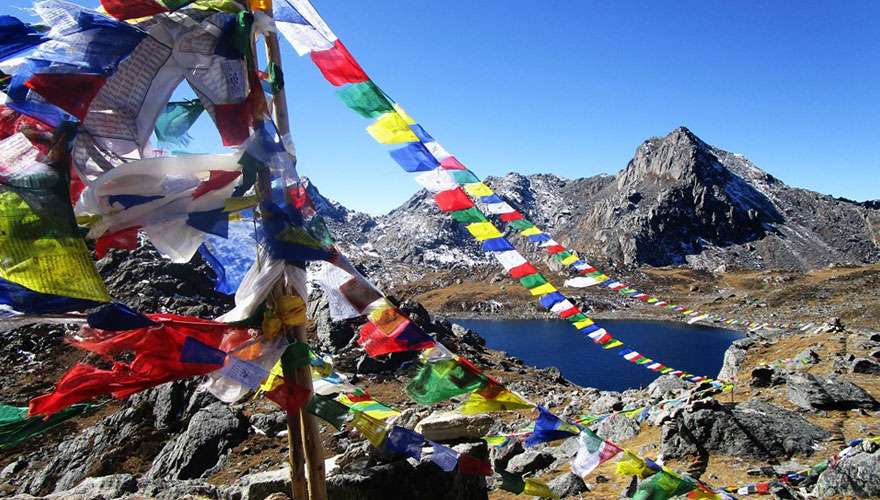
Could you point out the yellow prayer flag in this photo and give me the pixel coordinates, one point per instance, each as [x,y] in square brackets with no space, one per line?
[538,488]
[478,189]
[530,231]
[571,259]
[372,429]
[236,204]
[652,300]
[583,323]
[391,128]
[542,290]
[292,310]
[504,401]
[403,114]
[264,5]
[632,465]
[611,345]
[483,231]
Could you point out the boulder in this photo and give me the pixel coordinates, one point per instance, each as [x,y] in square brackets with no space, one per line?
[734,357]
[203,446]
[113,486]
[865,365]
[766,376]
[448,426]
[269,424]
[530,461]
[856,475]
[812,392]
[617,428]
[751,429]
[666,387]
[608,402]
[501,456]
[260,485]
[174,489]
[568,485]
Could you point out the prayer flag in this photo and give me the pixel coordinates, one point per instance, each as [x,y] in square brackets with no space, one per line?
[592,452]
[23,300]
[366,99]
[470,465]
[405,442]
[497,245]
[548,427]
[510,259]
[421,133]
[469,215]
[406,337]
[445,457]
[453,199]
[366,404]
[512,482]
[611,345]
[463,176]
[16,427]
[498,208]
[172,126]
[522,271]
[547,301]
[487,401]
[126,239]
[132,9]
[483,231]
[444,379]
[338,65]
[542,290]
[301,25]
[532,281]
[521,224]
[538,488]
[72,92]
[511,216]
[436,180]
[414,157]
[437,150]
[478,189]
[391,128]
[452,163]
[16,36]
[662,486]
[632,465]
[372,429]
[117,317]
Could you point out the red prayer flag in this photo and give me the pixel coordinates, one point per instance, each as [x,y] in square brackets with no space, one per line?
[127,239]
[569,312]
[511,216]
[407,337]
[157,351]
[468,464]
[522,270]
[452,200]
[554,249]
[588,270]
[72,92]
[452,163]
[290,396]
[132,9]
[216,180]
[233,122]
[338,65]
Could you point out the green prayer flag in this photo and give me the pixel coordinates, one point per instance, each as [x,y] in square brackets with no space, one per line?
[468,215]
[442,380]
[172,126]
[532,280]
[576,318]
[662,486]
[512,482]
[366,99]
[521,224]
[295,356]
[562,255]
[328,409]
[16,427]
[463,176]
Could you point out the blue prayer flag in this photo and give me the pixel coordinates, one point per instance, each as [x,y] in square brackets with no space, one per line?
[420,132]
[210,221]
[488,200]
[551,298]
[195,351]
[549,427]
[445,457]
[538,238]
[405,442]
[414,157]
[25,300]
[16,36]
[497,245]
[131,200]
[118,317]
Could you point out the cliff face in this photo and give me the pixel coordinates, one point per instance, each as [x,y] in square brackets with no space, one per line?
[679,201]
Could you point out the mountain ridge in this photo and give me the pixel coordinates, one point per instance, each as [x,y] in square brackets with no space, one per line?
[678,201]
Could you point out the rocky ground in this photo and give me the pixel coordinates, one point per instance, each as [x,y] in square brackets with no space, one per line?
[176,441]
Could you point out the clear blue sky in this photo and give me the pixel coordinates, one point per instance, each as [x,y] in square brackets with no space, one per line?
[572,88]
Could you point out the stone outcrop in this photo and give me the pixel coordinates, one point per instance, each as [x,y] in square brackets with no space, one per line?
[827,393]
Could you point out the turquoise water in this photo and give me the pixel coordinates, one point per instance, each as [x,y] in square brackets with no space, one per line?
[542,343]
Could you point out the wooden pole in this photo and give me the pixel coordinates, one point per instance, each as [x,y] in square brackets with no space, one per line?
[304,439]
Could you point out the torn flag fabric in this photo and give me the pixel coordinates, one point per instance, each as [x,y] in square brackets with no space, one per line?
[548,427]
[442,380]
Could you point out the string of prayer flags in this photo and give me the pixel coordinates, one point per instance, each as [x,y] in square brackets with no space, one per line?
[549,427]
[388,331]
[361,401]
[592,452]
[302,26]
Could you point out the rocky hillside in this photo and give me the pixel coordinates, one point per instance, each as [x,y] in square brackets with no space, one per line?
[678,201]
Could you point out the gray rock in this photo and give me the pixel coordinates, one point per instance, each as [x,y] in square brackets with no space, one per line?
[447,426]
[734,357]
[827,393]
[262,484]
[106,487]
[666,387]
[568,485]
[334,335]
[211,433]
[170,489]
[530,461]
[269,424]
[865,365]
[856,475]
[502,456]
[563,452]
[750,429]
[12,468]
[608,402]
[617,428]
